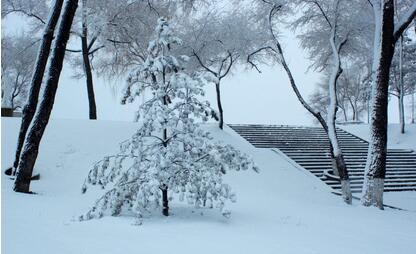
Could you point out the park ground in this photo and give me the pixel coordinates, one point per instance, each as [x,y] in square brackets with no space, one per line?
[282,209]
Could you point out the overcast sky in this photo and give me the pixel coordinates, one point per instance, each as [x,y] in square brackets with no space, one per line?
[248,96]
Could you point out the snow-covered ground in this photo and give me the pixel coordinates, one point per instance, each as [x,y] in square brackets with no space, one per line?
[395,138]
[280,210]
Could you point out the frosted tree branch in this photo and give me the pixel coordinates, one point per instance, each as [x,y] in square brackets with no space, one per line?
[404,22]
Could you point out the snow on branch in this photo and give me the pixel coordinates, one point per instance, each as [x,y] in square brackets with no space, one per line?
[170,153]
[404,22]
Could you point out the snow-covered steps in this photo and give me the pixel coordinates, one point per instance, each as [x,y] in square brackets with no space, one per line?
[309,148]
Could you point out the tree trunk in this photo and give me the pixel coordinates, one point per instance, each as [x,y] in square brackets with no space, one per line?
[354,115]
[87,64]
[12,106]
[332,114]
[413,107]
[401,84]
[164,187]
[32,141]
[375,171]
[401,112]
[165,200]
[317,115]
[354,110]
[344,111]
[413,92]
[338,161]
[37,77]
[217,89]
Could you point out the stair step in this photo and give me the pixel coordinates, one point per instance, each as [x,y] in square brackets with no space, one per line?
[309,147]
[357,166]
[386,181]
[355,172]
[351,157]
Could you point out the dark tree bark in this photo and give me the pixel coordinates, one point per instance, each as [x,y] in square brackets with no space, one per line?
[376,161]
[220,74]
[37,77]
[372,193]
[354,109]
[32,141]
[165,201]
[220,110]
[344,112]
[89,79]
[87,64]
[164,187]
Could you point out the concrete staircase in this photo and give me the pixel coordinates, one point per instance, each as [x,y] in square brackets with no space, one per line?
[309,147]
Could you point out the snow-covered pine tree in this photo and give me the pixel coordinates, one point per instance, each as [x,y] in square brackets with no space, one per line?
[170,153]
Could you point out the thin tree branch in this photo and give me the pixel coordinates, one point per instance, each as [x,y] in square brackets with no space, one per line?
[203,65]
[118,42]
[29,14]
[74,50]
[322,12]
[92,42]
[407,18]
[96,49]
[254,53]
[230,56]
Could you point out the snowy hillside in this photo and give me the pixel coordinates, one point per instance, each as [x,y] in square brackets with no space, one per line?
[280,210]
[395,138]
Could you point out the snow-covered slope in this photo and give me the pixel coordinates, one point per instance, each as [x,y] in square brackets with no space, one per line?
[280,210]
[395,138]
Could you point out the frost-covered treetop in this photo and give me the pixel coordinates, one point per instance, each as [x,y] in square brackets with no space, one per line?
[170,151]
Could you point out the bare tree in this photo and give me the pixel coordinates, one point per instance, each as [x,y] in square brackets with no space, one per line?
[386,34]
[125,27]
[87,50]
[88,21]
[353,85]
[34,136]
[218,42]
[402,74]
[321,23]
[37,77]
[352,93]
[18,55]
[36,10]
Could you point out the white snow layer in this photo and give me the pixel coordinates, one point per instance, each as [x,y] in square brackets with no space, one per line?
[395,138]
[280,210]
